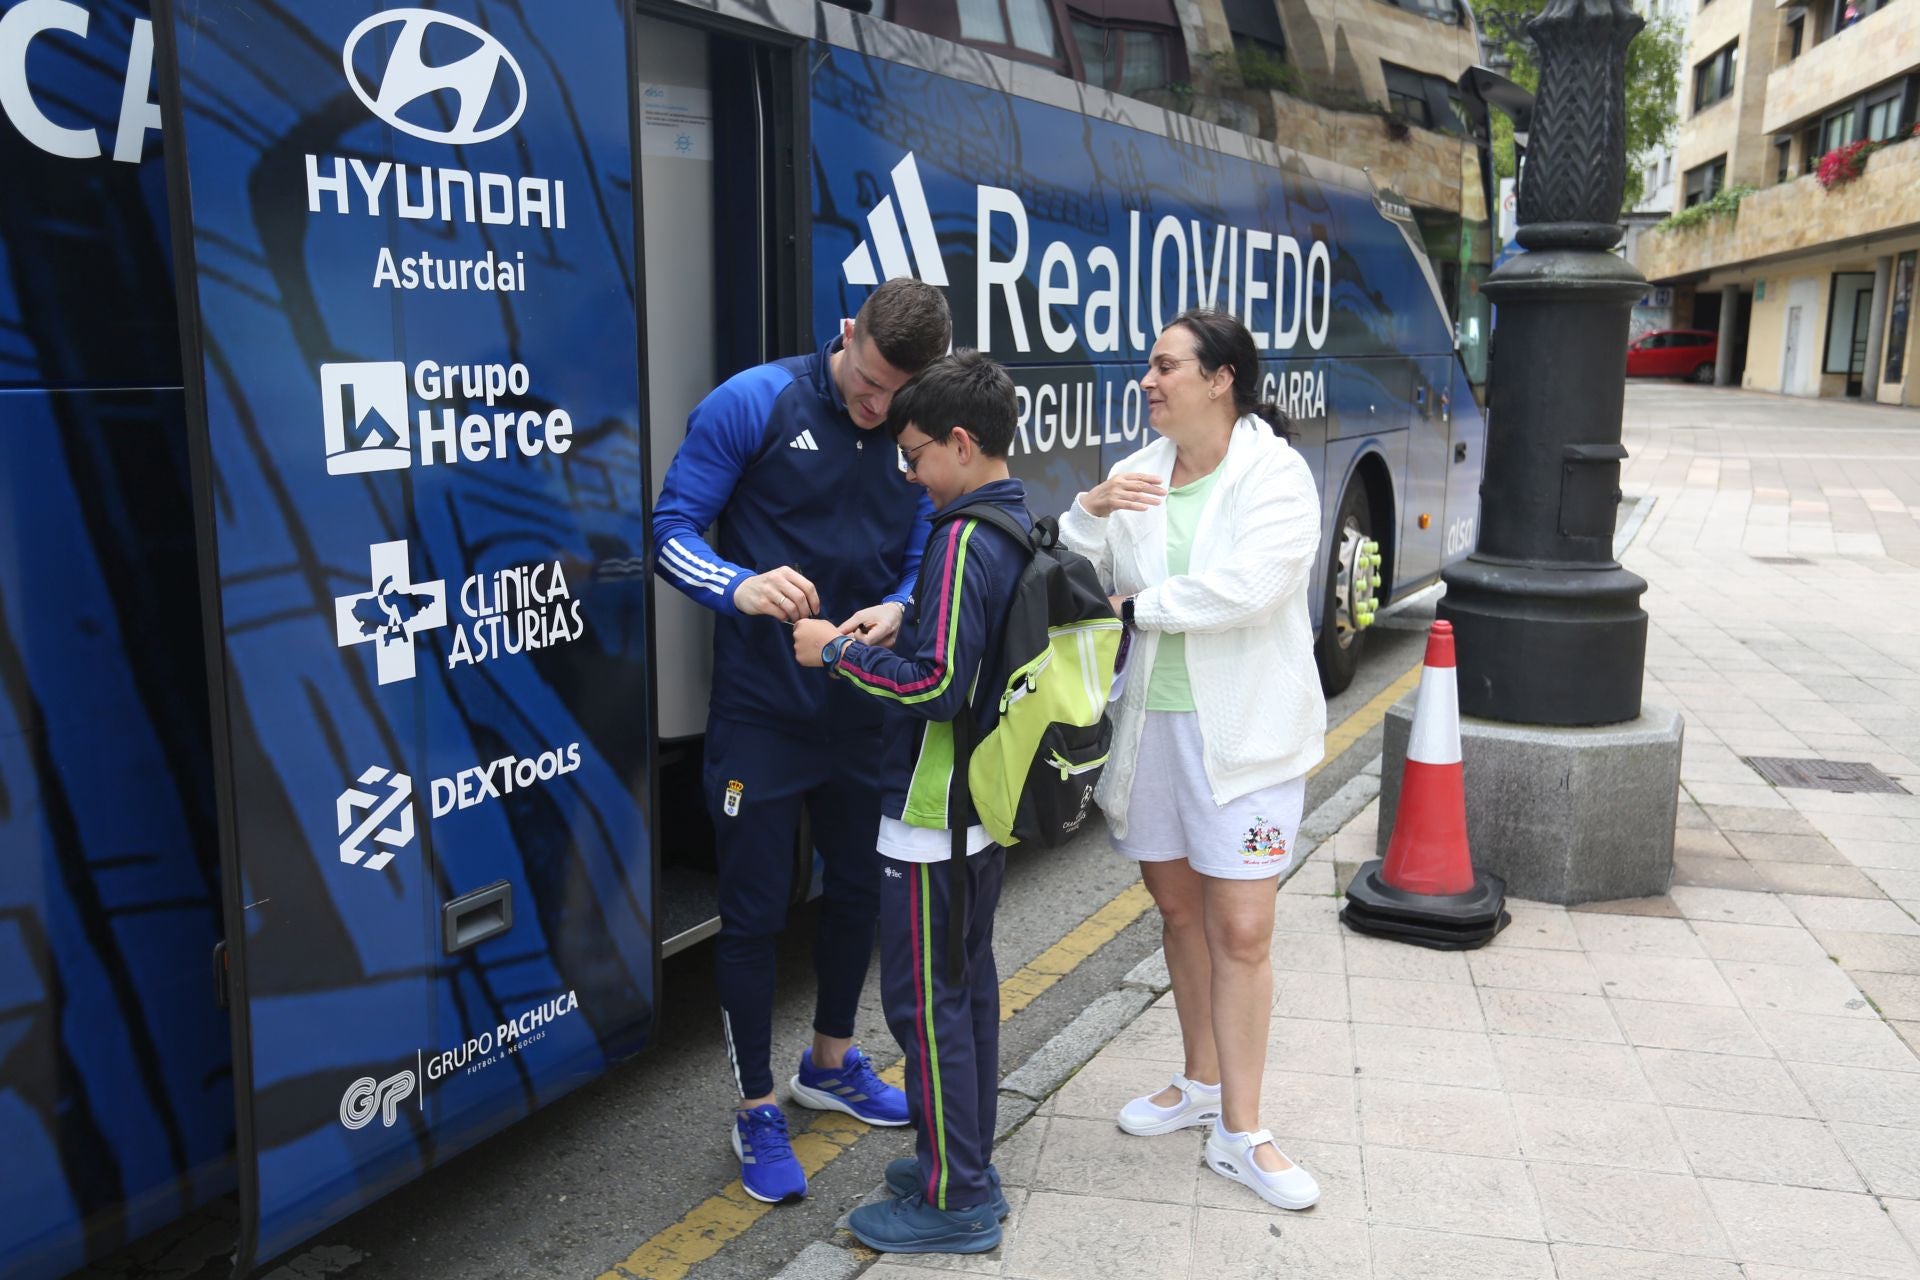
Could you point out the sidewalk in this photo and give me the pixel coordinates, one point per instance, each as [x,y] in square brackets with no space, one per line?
[1718,1084]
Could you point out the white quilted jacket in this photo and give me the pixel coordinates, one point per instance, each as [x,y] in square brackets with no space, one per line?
[1242,604]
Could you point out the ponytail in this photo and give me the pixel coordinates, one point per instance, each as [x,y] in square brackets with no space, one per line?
[1221,341]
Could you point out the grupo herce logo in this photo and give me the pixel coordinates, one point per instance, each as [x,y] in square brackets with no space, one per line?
[915,253]
[411,89]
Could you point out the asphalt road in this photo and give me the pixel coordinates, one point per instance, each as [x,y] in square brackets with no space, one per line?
[577,1188]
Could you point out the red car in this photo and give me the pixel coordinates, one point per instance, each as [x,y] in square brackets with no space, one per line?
[1673,353]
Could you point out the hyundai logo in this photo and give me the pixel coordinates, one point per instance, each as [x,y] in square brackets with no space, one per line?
[409,77]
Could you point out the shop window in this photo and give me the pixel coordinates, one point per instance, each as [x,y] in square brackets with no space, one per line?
[1713,79]
[1704,181]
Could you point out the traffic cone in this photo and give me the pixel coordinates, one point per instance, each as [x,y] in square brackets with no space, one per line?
[1426,891]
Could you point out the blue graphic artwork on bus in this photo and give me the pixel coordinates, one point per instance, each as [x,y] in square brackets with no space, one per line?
[413,243]
[1065,242]
[116,1103]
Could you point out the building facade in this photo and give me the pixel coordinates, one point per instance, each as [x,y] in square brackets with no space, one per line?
[1810,279]
[1658,185]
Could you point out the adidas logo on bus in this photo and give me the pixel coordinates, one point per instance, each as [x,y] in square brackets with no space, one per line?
[884,236]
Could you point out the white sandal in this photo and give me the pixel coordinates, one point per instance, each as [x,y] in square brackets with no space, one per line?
[1231,1156]
[1199,1105]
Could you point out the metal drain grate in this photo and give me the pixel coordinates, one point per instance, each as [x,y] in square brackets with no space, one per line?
[1823,775]
[1780,559]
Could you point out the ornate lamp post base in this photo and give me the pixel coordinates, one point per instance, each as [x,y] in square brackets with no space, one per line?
[1571,783]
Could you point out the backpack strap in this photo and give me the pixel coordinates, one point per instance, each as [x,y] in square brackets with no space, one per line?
[960,795]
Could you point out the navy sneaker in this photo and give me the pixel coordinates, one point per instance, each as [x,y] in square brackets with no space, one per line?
[911,1225]
[768,1169]
[853,1087]
[903,1179]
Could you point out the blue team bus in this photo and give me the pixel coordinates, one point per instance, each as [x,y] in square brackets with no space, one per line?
[346,752]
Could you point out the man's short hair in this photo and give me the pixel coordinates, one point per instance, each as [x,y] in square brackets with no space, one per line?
[965,389]
[908,323]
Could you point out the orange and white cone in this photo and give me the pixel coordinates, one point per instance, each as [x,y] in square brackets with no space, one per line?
[1425,891]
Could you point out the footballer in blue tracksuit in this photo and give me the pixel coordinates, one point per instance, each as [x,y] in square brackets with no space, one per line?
[948,664]
[817,520]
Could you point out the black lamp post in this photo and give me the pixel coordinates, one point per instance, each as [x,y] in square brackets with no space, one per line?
[1549,625]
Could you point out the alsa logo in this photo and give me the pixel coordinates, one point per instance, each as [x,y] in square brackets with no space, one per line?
[1109,297]
[364,412]
[29,21]
[508,611]
[488,89]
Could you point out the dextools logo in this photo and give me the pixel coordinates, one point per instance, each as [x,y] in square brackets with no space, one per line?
[378,808]
[488,89]
[508,611]
[365,416]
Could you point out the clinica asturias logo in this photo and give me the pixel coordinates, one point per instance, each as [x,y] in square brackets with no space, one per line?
[508,611]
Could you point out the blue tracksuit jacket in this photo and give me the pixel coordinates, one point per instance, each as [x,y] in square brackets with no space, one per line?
[772,454]
[948,653]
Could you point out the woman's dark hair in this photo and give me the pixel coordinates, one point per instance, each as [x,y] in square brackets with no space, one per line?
[1222,342]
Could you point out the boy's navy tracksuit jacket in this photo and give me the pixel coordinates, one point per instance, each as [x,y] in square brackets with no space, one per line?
[945,664]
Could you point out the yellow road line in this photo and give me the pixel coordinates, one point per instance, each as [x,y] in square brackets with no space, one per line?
[1361,723]
[720,1218]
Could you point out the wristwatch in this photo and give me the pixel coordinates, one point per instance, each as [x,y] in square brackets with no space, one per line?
[830,652]
[1126,611]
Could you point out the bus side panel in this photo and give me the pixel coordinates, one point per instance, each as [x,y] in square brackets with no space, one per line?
[1064,242]
[414,368]
[1465,464]
[116,1107]
[116,1104]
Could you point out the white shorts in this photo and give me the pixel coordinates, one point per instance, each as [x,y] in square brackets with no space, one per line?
[1171,813]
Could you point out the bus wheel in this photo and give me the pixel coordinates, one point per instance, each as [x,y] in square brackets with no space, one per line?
[1352,591]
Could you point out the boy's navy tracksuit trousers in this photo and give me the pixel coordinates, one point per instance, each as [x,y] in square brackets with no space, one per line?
[950,1030]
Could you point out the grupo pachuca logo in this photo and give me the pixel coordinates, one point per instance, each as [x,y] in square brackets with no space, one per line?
[438,77]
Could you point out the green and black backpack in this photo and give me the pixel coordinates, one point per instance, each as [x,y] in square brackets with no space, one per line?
[1030,781]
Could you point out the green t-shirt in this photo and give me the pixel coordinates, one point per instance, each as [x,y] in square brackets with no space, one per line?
[1167,687]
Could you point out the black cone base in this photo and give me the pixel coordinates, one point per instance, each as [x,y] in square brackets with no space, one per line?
[1445,922]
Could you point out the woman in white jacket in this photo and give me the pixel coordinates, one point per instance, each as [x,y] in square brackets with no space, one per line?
[1207,537]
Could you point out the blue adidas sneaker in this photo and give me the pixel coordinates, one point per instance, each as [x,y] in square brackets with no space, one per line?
[903,1179]
[911,1225]
[768,1169]
[853,1087]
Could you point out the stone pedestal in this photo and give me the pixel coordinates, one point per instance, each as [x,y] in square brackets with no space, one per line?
[1564,815]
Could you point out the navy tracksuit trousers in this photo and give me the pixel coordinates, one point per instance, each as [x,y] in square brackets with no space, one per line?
[951,1031]
[756,781]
